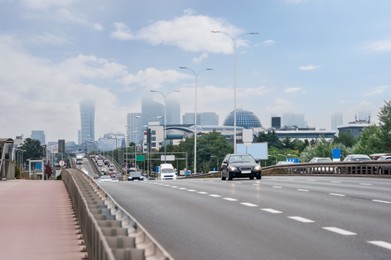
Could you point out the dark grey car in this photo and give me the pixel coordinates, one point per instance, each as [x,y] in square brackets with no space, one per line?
[240,166]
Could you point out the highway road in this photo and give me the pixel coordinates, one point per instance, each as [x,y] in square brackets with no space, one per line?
[278,217]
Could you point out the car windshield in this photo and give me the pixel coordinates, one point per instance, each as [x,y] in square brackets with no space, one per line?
[241,159]
[167,170]
[135,174]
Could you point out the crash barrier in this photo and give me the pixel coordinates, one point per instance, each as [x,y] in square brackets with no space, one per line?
[108,231]
[381,168]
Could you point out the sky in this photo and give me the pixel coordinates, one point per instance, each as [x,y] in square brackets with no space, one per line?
[311,57]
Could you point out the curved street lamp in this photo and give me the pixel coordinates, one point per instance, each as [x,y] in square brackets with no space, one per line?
[196,74]
[234,42]
[165,112]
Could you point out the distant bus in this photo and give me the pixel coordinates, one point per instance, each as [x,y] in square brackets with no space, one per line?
[79,160]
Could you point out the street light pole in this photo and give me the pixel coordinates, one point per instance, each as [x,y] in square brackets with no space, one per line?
[165,115]
[234,41]
[196,74]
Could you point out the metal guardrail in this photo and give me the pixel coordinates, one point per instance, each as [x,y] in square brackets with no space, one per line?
[379,168]
[109,232]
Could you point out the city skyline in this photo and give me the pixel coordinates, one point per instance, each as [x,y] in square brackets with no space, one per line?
[312,57]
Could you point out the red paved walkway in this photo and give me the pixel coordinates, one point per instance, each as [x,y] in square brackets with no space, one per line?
[36,221]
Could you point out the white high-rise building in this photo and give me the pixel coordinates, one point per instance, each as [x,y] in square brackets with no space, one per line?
[87,116]
[204,118]
[134,126]
[173,111]
[293,119]
[336,120]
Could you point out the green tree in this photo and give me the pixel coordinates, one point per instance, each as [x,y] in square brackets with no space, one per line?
[322,148]
[370,141]
[211,147]
[385,126]
[345,138]
[270,138]
[33,149]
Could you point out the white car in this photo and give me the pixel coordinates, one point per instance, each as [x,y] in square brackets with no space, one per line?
[105,178]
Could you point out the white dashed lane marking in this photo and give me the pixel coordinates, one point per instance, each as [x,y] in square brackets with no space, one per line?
[337,194]
[248,204]
[230,199]
[382,201]
[340,231]
[277,187]
[274,211]
[301,219]
[215,195]
[304,190]
[383,244]
[202,192]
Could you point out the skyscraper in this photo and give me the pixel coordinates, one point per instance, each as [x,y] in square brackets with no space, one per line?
[204,118]
[293,119]
[134,128]
[173,111]
[38,135]
[87,116]
[151,111]
[336,120]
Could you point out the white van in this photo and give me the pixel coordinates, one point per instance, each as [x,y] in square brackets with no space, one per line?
[167,172]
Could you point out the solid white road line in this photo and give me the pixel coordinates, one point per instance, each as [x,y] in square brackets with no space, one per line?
[248,204]
[340,231]
[383,244]
[230,199]
[274,211]
[301,219]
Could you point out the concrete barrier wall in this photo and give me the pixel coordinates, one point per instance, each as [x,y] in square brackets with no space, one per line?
[109,231]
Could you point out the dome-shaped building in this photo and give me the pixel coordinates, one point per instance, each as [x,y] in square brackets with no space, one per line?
[244,119]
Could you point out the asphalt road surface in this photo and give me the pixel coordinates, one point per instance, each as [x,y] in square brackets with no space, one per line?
[280,218]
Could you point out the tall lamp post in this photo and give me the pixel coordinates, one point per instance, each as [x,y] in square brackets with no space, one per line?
[165,115]
[234,42]
[196,74]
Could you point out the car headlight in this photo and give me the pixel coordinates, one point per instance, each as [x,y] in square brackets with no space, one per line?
[257,168]
[232,168]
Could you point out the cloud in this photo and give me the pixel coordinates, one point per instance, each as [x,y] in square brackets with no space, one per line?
[189,32]
[380,46]
[268,42]
[377,91]
[90,67]
[45,95]
[68,16]
[293,90]
[153,78]
[308,67]
[200,58]
[122,32]
[49,38]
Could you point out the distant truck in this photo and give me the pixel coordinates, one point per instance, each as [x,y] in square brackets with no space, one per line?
[166,172]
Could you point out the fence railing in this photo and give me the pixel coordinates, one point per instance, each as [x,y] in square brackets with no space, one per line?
[380,168]
[109,232]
